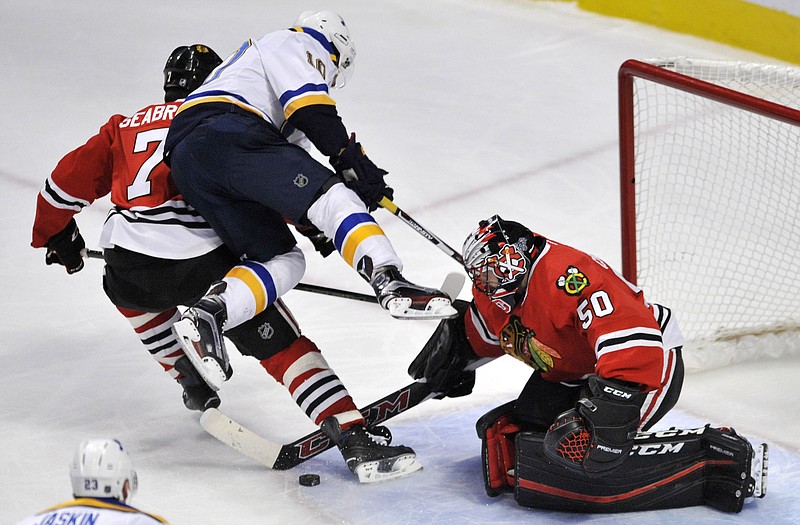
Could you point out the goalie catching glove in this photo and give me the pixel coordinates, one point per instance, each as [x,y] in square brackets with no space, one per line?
[597,435]
[361,175]
[444,362]
[66,248]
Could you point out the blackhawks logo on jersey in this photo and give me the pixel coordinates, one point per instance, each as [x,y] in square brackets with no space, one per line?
[520,342]
[573,282]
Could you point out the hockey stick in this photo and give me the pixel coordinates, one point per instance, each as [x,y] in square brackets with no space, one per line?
[283,457]
[406,218]
[335,292]
[303,287]
[453,282]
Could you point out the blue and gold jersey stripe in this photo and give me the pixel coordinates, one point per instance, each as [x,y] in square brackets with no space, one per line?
[225,97]
[319,37]
[102,503]
[354,230]
[258,280]
[309,100]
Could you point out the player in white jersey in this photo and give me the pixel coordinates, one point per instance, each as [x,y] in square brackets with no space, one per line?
[161,254]
[238,149]
[103,483]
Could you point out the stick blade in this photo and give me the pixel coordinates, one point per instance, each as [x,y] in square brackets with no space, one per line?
[452,285]
[240,438]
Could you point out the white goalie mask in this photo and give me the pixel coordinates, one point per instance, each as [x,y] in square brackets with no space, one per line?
[100,469]
[336,32]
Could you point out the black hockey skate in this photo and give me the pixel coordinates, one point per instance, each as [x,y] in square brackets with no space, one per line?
[406,300]
[368,454]
[200,334]
[197,395]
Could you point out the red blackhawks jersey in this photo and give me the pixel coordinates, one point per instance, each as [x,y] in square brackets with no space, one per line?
[125,159]
[579,317]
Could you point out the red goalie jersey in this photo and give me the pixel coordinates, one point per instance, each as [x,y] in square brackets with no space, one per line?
[579,317]
[125,160]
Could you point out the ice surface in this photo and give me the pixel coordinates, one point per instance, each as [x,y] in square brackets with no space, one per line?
[475,107]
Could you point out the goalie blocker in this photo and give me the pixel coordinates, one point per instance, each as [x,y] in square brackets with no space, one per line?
[666,469]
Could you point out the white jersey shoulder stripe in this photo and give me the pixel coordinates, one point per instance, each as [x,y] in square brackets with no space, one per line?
[272,76]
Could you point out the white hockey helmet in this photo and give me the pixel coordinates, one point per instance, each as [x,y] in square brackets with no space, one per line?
[100,469]
[335,30]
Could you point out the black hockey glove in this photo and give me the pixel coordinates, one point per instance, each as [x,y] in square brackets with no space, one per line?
[65,248]
[445,356]
[361,175]
[323,245]
[598,434]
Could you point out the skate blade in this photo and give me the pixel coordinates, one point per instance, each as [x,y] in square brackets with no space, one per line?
[437,308]
[207,367]
[759,468]
[387,469]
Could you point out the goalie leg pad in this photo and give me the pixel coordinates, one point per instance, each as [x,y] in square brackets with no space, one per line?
[497,430]
[666,469]
[735,471]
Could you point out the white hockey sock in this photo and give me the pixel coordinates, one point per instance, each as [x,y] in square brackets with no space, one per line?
[342,216]
[253,286]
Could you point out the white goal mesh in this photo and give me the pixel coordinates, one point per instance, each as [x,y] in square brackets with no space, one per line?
[710,191]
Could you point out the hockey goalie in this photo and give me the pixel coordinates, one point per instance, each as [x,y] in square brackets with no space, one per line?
[607,366]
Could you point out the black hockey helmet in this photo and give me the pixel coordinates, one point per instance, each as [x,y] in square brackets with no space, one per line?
[497,257]
[187,67]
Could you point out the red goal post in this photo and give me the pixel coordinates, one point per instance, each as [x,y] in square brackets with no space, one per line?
[710,192]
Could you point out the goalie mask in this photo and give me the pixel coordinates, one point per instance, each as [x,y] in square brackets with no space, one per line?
[497,257]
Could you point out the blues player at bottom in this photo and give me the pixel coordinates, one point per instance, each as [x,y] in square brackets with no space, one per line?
[103,483]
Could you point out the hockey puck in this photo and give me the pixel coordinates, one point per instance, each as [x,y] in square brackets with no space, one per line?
[309,480]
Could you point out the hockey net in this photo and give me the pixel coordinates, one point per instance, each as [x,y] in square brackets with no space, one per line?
[710,190]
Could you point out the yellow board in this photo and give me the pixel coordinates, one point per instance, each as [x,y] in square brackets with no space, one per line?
[732,22]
